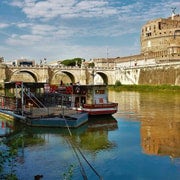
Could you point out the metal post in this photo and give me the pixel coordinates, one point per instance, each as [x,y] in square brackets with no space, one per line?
[16,98]
[22,99]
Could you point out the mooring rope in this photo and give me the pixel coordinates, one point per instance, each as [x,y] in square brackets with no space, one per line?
[74,146]
[83,173]
[100,177]
[67,126]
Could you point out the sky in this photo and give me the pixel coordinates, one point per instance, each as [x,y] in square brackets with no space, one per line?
[66,29]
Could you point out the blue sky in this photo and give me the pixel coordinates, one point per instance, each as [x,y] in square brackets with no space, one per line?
[63,29]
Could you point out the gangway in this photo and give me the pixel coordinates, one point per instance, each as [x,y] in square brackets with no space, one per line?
[26,91]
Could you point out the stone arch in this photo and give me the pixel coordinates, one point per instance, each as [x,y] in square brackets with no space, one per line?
[62,76]
[104,77]
[24,75]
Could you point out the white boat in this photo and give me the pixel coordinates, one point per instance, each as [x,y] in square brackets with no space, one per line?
[92,99]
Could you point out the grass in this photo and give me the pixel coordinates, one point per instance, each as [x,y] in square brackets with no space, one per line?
[145,88]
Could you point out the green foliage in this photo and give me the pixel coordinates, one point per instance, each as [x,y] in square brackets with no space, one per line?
[118,83]
[73,62]
[145,88]
[9,93]
[68,175]
[91,65]
[8,158]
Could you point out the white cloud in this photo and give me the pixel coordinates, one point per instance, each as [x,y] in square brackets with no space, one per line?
[3,25]
[23,40]
[43,29]
[60,28]
[64,8]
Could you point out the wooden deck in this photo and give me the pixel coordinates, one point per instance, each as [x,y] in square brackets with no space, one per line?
[34,112]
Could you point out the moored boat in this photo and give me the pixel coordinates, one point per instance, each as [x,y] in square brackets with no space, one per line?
[92,99]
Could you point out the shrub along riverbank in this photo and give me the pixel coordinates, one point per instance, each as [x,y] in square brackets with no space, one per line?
[145,88]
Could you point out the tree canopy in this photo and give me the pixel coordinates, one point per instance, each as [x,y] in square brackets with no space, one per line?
[73,62]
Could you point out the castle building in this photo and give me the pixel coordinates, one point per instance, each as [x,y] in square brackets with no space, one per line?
[160,43]
[161,35]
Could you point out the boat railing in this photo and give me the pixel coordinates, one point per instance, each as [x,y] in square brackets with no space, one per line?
[8,103]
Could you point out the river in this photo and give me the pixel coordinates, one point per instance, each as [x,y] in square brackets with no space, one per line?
[140,142]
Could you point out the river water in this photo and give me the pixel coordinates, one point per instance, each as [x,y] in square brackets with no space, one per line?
[140,142]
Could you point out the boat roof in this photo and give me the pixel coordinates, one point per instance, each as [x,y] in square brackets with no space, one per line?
[41,85]
[91,85]
[27,84]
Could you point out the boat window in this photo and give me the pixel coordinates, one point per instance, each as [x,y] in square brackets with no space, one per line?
[77,102]
[99,92]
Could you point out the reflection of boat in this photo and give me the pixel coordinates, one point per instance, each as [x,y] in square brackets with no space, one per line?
[60,131]
[92,99]
[100,122]
[6,126]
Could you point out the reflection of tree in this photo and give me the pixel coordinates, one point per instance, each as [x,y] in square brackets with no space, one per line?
[28,137]
[96,136]
[95,141]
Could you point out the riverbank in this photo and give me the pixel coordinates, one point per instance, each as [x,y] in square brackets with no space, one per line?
[145,88]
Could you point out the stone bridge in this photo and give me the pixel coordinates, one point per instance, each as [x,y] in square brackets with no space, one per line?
[168,73]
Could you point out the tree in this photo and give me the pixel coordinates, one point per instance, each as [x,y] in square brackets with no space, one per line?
[73,62]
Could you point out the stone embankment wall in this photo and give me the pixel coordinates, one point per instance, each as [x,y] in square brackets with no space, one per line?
[160,75]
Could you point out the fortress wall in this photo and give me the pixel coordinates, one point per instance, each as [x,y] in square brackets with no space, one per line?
[160,75]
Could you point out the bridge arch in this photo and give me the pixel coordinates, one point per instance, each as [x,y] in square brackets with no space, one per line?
[24,75]
[62,76]
[103,76]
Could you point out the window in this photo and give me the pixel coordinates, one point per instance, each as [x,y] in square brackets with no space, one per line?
[99,91]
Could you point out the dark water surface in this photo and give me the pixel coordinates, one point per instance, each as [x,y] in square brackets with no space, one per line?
[140,142]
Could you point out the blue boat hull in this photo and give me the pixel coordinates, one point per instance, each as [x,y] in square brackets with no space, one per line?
[72,121]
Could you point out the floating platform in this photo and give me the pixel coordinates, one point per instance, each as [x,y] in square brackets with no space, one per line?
[72,120]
